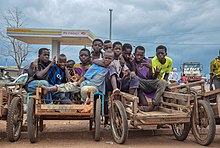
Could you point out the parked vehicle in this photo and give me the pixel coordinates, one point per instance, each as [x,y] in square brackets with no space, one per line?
[191,70]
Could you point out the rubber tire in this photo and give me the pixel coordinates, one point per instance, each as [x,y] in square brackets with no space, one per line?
[119,139]
[97,119]
[212,124]
[32,121]
[12,133]
[185,132]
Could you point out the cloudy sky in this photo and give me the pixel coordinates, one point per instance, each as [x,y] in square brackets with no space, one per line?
[190,29]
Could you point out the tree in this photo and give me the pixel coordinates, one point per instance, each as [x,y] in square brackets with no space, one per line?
[12,47]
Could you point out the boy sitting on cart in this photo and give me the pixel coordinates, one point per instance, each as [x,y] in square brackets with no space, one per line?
[150,89]
[37,73]
[58,74]
[93,80]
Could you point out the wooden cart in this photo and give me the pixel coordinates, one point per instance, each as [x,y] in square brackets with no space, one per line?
[180,110]
[206,118]
[11,108]
[38,112]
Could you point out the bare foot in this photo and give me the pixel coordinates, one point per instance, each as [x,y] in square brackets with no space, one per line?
[116,93]
[87,108]
[44,90]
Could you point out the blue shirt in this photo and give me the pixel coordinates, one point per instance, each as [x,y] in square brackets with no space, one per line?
[95,76]
[56,75]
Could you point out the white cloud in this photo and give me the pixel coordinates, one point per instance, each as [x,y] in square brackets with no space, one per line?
[139,22]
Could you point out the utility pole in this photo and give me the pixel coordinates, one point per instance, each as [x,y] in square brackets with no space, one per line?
[110,29]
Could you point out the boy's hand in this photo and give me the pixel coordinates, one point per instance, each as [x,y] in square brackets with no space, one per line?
[132,75]
[147,64]
[157,70]
[131,58]
[53,61]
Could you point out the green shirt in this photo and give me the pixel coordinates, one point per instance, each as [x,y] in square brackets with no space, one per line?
[165,68]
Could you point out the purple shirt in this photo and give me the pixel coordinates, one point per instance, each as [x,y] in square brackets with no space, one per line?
[142,71]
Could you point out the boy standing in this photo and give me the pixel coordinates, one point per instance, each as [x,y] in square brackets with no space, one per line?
[215,72]
[97,46]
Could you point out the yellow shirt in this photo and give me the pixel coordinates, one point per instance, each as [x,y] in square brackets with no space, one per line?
[165,68]
[215,67]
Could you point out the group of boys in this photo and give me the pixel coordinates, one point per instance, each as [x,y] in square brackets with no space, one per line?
[110,71]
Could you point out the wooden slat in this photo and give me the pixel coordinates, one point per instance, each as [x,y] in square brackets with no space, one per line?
[213,92]
[129,97]
[47,113]
[174,105]
[157,121]
[1,100]
[178,96]
[61,107]
[188,84]
[167,110]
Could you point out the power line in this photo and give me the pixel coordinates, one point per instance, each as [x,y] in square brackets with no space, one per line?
[167,43]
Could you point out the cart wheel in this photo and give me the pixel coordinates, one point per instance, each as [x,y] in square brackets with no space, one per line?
[119,123]
[97,119]
[204,127]
[181,130]
[32,121]
[14,119]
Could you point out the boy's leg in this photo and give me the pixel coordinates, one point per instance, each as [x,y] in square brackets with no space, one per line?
[38,83]
[59,96]
[134,85]
[160,87]
[86,92]
[65,87]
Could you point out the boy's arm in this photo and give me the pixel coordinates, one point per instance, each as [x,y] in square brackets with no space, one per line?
[113,82]
[80,81]
[67,75]
[166,76]
[99,62]
[41,74]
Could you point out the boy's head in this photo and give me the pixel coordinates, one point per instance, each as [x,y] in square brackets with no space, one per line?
[126,51]
[107,45]
[121,60]
[161,52]
[117,48]
[44,54]
[139,53]
[70,64]
[108,57]
[62,61]
[97,45]
[84,56]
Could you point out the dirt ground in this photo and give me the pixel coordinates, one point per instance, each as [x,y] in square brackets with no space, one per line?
[76,134]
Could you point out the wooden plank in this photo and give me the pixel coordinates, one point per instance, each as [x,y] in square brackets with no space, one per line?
[198,83]
[76,114]
[158,121]
[1,100]
[179,107]
[129,97]
[62,106]
[178,96]
[213,92]
[167,110]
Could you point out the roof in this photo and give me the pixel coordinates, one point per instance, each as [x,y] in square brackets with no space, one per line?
[45,36]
